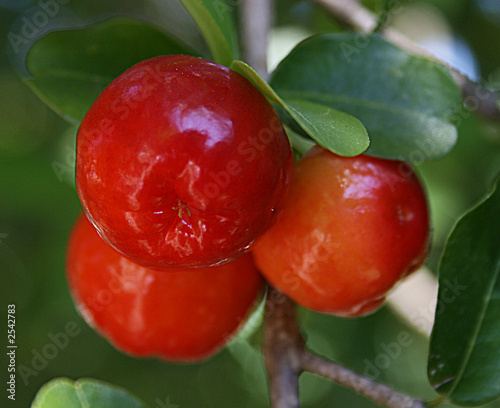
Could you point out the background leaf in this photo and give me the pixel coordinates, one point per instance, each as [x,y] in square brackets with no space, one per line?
[334,130]
[464,362]
[70,68]
[405,102]
[216,22]
[84,393]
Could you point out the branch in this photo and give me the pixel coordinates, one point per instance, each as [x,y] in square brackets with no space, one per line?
[283,348]
[256,22]
[358,18]
[286,358]
[381,394]
[284,345]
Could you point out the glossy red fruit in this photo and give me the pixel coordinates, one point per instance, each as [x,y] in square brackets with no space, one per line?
[182,162]
[175,315]
[352,227]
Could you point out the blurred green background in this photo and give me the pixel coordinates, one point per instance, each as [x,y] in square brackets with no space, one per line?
[38,205]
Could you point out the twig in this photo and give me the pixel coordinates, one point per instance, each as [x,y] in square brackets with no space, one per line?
[283,348]
[382,394]
[286,358]
[358,18]
[256,22]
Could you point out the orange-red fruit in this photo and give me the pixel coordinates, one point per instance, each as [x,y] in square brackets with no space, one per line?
[351,228]
[182,162]
[174,314]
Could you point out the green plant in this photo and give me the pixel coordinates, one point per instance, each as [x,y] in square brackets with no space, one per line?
[346,88]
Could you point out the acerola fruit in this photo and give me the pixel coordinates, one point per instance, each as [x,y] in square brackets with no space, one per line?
[351,228]
[175,314]
[182,162]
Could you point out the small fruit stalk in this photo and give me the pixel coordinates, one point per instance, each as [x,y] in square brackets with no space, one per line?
[352,227]
[182,162]
[174,314]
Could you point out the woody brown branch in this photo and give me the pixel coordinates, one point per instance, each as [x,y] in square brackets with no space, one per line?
[286,358]
[256,23]
[283,349]
[382,394]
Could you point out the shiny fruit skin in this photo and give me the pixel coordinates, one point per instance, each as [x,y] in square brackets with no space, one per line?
[351,228]
[182,162]
[175,315]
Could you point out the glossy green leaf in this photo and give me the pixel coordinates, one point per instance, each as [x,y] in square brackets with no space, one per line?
[334,130]
[216,22]
[84,393]
[330,128]
[70,68]
[249,73]
[464,359]
[405,102]
[300,145]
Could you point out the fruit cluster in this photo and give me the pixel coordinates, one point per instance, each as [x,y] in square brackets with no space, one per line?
[185,173]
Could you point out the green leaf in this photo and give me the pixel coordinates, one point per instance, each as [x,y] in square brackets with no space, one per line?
[84,393]
[330,128]
[216,22]
[300,145]
[464,359]
[405,102]
[256,80]
[70,68]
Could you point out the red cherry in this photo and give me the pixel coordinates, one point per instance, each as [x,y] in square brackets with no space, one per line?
[351,228]
[175,314]
[182,162]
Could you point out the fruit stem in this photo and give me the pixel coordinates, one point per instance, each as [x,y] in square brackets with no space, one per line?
[286,358]
[180,207]
[283,346]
